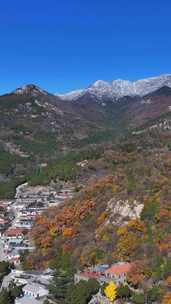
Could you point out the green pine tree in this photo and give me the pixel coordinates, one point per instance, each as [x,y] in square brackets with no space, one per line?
[62,278]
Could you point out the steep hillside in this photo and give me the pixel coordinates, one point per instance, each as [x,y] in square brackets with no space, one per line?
[152,107]
[122,214]
[35,130]
[131,176]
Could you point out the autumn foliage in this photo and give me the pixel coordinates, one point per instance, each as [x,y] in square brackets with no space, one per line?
[86,227]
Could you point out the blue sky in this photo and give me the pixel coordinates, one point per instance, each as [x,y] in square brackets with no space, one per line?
[67,44]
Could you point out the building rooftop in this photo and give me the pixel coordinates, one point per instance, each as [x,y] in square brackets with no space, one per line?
[35,288]
[99,268]
[119,268]
[12,232]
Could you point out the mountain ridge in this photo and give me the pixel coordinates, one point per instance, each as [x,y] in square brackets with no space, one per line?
[119,88]
[100,89]
[38,127]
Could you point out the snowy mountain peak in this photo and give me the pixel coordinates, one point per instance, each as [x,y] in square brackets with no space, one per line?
[119,88]
[122,88]
[71,95]
[100,89]
[100,84]
[30,89]
[149,85]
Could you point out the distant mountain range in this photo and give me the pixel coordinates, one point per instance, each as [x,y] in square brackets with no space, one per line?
[119,106]
[38,127]
[119,88]
[102,90]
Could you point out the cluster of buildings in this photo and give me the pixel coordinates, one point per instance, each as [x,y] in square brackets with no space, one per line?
[16,220]
[116,273]
[5,216]
[41,197]
[104,273]
[34,285]
[20,214]
[14,243]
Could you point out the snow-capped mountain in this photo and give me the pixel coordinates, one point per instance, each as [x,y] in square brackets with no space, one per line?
[119,88]
[102,90]
[149,85]
[71,95]
[31,90]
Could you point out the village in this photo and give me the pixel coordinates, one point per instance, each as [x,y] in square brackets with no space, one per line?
[16,219]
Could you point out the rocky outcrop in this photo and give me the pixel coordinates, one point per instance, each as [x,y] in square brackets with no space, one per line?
[121,211]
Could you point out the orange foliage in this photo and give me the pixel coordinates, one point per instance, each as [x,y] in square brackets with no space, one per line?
[167,298]
[163,246]
[164,215]
[68,232]
[168,281]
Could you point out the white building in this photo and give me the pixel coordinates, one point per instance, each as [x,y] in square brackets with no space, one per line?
[35,290]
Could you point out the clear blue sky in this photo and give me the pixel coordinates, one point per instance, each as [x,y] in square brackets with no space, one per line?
[67,44]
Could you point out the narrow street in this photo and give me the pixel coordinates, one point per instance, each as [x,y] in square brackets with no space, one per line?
[2,254]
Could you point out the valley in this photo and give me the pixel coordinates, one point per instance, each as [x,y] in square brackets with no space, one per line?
[85,190]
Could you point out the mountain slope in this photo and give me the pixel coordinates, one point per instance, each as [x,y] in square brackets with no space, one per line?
[152,107]
[134,178]
[121,214]
[38,128]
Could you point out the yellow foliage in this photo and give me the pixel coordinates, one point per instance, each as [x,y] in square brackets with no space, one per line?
[131,236]
[100,220]
[137,225]
[114,188]
[121,230]
[52,231]
[103,234]
[132,225]
[110,291]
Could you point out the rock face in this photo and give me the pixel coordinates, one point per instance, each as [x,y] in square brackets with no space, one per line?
[121,211]
[71,95]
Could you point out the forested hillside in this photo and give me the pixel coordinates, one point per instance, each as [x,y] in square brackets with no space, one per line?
[122,213]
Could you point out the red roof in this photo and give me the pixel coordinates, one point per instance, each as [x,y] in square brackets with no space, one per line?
[3,221]
[14,232]
[119,268]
